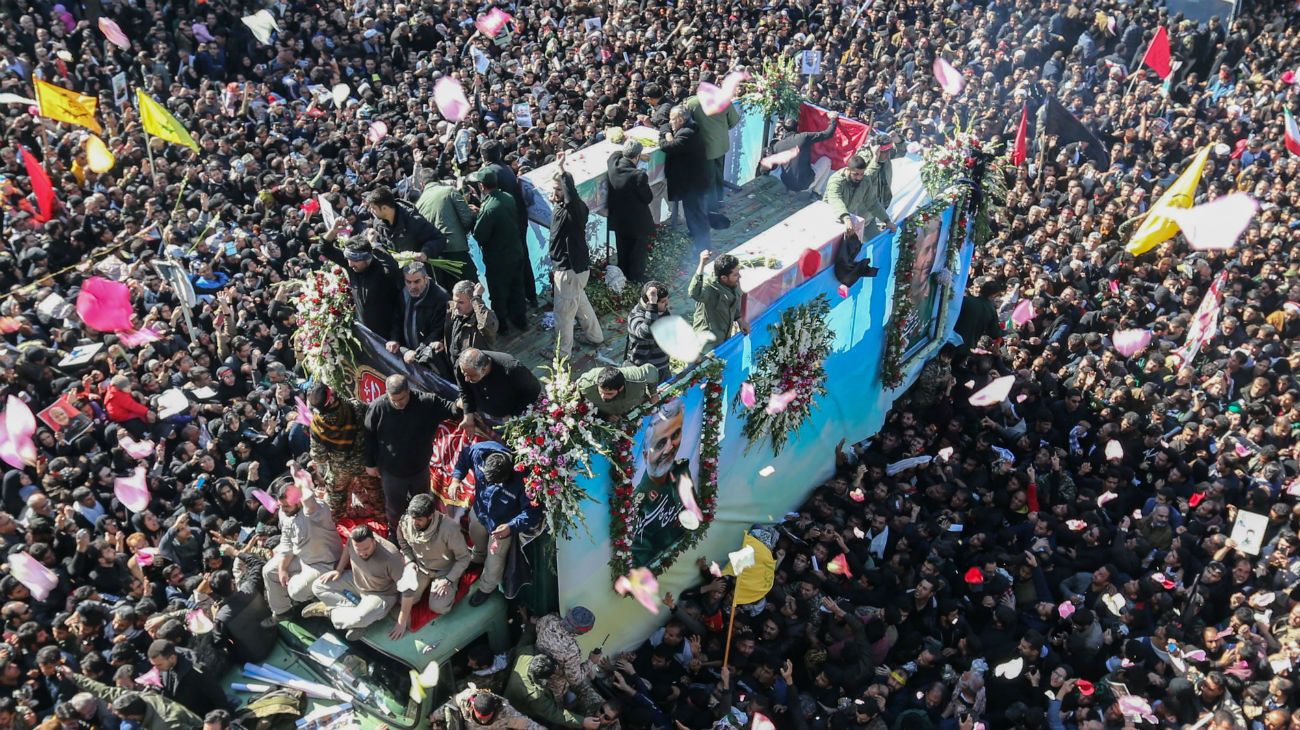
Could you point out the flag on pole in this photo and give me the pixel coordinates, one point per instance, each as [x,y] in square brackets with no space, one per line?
[160,123]
[41,185]
[1020,152]
[1158,57]
[1158,227]
[65,105]
[1292,133]
[1205,323]
[754,568]
[1055,119]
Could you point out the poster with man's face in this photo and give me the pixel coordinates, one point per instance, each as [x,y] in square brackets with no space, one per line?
[666,454]
[924,291]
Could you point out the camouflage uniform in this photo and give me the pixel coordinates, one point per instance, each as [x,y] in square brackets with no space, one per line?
[458,712]
[575,674]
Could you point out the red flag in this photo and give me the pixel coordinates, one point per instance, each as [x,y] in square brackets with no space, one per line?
[849,135]
[1021,149]
[1157,55]
[41,185]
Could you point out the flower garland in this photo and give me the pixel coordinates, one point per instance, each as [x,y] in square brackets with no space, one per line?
[551,441]
[775,89]
[623,502]
[326,345]
[791,365]
[904,311]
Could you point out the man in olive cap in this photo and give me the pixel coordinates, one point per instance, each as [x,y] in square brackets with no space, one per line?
[557,637]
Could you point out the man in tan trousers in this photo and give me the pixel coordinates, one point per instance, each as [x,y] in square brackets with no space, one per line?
[436,556]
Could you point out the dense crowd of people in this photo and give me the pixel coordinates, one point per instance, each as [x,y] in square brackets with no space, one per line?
[1065,561]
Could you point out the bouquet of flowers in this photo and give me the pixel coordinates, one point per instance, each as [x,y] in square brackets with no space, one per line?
[551,441]
[966,159]
[789,374]
[324,340]
[775,88]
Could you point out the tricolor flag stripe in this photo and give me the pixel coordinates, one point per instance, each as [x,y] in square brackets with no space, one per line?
[1292,134]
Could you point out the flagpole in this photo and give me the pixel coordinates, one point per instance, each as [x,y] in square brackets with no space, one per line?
[1042,154]
[731,623]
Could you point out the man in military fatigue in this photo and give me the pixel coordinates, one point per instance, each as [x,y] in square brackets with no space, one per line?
[862,188]
[435,553]
[616,391]
[658,526]
[481,709]
[557,638]
[444,206]
[497,233]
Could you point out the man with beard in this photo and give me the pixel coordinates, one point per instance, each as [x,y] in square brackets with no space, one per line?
[657,525]
[309,546]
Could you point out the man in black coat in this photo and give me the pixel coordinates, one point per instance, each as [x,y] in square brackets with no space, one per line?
[688,176]
[424,311]
[571,263]
[493,384]
[401,227]
[241,611]
[799,174]
[374,276]
[400,426]
[184,681]
[629,210]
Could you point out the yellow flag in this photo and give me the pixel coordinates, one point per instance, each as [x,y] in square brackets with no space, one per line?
[160,123]
[1158,227]
[755,579]
[59,103]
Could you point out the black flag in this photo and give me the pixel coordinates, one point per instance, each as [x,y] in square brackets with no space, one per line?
[1056,119]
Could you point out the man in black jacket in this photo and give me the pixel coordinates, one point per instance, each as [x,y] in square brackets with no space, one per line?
[374,276]
[241,610]
[687,174]
[629,210]
[185,682]
[570,261]
[800,174]
[493,384]
[400,426]
[424,310]
[402,228]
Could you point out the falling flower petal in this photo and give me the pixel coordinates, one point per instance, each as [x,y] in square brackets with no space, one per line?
[16,429]
[839,565]
[642,585]
[714,570]
[1023,312]
[144,557]
[198,621]
[993,393]
[688,520]
[262,24]
[945,453]
[1066,609]
[741,559]
[843,291]
[767,471]
[1130,342]
[131,491]
[858,533]
[302,410]
[1105,497]
[1076,525]
[113,32]
[686,491]
[136,338]
[29,571]
[1011,669]
[1216,225]
[377,131]
[762,722]
[136,449]
[98,156]
[747,394]
[302,483]
[779,158]
[857,495]
[450,99]
[1133,706]
[950,79]
[778,402]
[150,678]
[266,500]
[104,305]
[1195,655]
[678,339]
[340,93]
[1114,450]
[492,22]
[716,99]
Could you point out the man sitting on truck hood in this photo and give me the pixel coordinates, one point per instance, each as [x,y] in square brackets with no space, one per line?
[436,552]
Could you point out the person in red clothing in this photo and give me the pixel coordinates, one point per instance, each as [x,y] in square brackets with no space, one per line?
[123,408]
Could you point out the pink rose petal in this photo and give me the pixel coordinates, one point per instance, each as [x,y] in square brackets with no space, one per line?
[686,491]
[29,571]
[104,305]
[450,99]
[1130,342]
[950,79]
[1066,609]
[113,32]
[136,449]
[844,291]
[993,393]
[1023,312]
[132,491]
[302,410]
[17,448]
[377,131]
[747,394]
[136,338]
[642,585]
[491,23]
[780,401]
[266,500]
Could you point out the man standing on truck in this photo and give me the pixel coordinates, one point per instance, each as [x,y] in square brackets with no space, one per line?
[502,510]
[435,551]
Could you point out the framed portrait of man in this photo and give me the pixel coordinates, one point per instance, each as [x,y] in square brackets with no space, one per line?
[666,453]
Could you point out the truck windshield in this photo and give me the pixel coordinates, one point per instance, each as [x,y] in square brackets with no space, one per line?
[380,685]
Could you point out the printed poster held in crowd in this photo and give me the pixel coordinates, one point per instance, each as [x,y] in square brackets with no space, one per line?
[1248,531]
